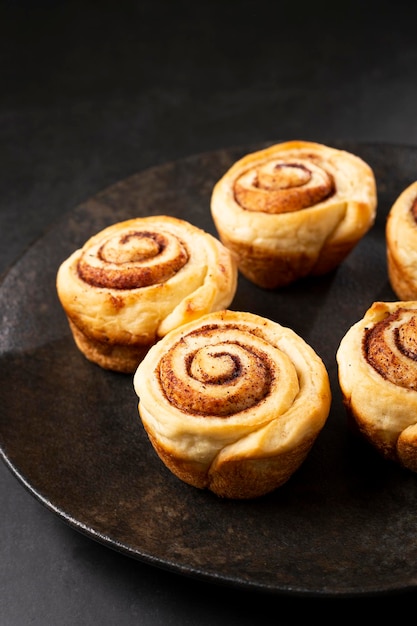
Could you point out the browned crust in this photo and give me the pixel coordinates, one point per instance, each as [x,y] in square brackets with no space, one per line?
[111,356]
[270,271]
[236,478]
[267,270]
[384,446]
[252,478]
[333,255]
[188,471]
[402,451]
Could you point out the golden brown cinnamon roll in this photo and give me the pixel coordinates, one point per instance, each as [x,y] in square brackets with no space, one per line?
[401,241]
[136,280]
[294,209]
[233,402]
[377,361]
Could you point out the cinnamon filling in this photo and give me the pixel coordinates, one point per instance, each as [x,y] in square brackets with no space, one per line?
[391,348]
[283,187]
[132,260]
[208,375]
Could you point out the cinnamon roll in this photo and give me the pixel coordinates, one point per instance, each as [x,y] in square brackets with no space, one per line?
[401,242]
[294,209]
[136,280]
[377,366]
[232,402]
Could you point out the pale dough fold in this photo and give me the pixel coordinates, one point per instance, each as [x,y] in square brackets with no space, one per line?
[377,361]
[233,402]
[294,209]
[401,242]
[138,279]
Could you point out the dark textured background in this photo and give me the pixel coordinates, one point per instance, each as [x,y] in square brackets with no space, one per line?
[93,92]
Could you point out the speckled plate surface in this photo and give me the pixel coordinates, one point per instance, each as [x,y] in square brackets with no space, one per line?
[345,524]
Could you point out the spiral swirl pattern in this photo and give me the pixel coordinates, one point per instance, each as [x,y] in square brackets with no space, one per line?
[132,259]
[222,371]
[136,280]
[279,186]
[377,361]
[391,348]
[232,402]
[294,209]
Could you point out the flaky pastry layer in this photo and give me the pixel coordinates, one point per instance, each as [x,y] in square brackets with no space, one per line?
[233,402]
[377,368]
[293,209]
[401,242]
[136,280]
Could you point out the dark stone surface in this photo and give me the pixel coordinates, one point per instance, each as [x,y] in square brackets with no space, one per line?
[74,438]
[92,95]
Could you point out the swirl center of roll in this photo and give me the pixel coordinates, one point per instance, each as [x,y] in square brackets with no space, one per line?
[218,379]
[391,348]
[132,259]
[283,187]
[131,248]
[214,366]
[283,175]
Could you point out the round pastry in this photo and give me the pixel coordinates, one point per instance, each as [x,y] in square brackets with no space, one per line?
[401,241]
[136,280]
[293,209]
[377,361]
[233,402]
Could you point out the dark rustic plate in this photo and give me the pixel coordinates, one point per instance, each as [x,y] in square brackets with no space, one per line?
[345,524]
